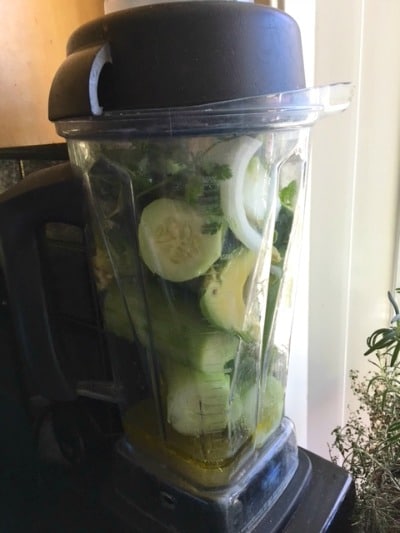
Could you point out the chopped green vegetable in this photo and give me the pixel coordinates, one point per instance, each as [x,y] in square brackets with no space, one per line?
[283,227]
[287,195]
[215,171]
[177,327]
[198,403]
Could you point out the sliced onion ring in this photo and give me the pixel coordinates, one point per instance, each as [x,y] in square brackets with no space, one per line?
[236,153]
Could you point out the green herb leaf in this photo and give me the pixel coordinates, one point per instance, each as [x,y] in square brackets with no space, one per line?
[211,227]
[287,195]
[193,189]
[217,171]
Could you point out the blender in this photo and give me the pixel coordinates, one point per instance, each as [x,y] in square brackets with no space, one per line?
[188,128]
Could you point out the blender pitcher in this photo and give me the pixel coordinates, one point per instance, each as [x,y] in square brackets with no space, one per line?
[188,125]
[194,247]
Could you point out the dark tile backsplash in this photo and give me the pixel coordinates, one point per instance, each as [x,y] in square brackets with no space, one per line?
[27,166]
[10,173]
[17,163]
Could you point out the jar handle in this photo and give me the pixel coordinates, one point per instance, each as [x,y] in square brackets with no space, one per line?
[54,194]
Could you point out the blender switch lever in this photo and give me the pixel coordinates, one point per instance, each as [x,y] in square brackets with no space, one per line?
[106,391]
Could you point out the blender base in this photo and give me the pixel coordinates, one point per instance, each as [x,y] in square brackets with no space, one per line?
[319,499]
[154,499]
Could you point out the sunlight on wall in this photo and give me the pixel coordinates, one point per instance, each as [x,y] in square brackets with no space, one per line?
[354,201]
[297,387]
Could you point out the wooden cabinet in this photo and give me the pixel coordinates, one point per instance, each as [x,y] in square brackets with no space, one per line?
[32,46]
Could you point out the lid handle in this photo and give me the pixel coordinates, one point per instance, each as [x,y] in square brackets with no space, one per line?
[77,81]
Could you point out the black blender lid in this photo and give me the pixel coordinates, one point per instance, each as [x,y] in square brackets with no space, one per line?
[177,54]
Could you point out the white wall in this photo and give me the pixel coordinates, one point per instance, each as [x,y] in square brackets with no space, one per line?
[354,205]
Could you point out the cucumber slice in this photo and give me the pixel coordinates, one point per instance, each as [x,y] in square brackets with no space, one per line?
[178,329]
[198,403]
[172,243]
[223,301]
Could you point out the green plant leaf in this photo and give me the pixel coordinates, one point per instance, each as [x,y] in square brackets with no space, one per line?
[395,354]
[369,442]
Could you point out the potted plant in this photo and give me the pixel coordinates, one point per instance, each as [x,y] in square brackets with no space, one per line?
[368,445]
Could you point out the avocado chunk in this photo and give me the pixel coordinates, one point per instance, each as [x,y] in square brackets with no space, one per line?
[223,301]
